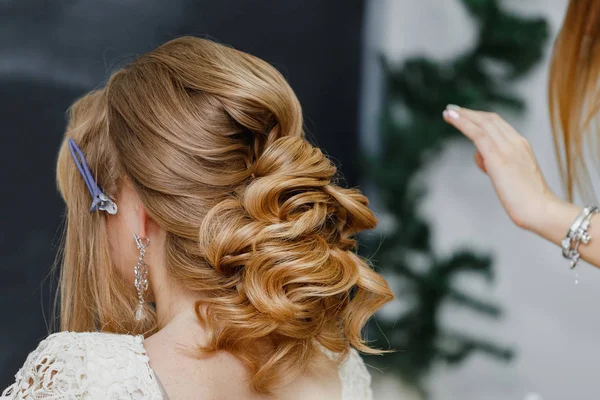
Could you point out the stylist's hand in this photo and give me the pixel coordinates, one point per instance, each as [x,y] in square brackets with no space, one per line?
[506,157]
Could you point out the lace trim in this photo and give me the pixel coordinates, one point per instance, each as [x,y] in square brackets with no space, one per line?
[86,365]
[356,379]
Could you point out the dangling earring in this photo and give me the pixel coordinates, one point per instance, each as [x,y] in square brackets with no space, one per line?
[141,275]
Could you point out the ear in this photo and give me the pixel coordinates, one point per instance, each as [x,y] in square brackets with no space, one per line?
[143,219]
[136,217]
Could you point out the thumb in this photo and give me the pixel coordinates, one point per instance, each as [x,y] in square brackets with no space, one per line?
[479,161]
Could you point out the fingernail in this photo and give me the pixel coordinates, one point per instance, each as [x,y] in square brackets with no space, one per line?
[453,114]
[445,114]
[453,107]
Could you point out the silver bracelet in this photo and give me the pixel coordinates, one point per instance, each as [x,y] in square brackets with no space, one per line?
[578,233]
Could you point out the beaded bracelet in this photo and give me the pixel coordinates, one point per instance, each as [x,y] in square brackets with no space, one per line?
[578,233]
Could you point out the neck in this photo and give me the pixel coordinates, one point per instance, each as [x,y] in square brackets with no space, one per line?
[174,305]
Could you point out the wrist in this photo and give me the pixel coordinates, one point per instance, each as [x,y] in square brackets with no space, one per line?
[543,212]
[553,218]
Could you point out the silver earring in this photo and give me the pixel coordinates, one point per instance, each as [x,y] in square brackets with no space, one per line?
[141,275]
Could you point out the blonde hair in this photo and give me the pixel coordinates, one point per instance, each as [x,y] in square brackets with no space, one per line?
[271,256]
[574,97]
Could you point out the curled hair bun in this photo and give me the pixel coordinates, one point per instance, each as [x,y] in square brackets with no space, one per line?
[287,238]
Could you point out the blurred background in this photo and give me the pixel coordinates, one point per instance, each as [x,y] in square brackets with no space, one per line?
[483,309]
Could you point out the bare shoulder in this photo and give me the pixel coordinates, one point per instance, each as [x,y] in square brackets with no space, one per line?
[185,375]
[321,384]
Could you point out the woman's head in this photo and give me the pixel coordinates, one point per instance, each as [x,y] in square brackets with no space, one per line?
[202,148]
[574,95]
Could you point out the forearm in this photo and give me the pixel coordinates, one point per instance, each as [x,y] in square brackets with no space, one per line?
[556,219]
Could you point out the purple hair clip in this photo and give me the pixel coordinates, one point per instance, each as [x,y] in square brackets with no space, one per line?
[100,201]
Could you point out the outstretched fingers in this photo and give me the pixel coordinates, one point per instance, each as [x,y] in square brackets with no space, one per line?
[483,140]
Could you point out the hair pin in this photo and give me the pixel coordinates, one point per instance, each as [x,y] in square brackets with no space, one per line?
[100,201]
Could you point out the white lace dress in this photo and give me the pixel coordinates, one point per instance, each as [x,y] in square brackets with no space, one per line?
[94,365]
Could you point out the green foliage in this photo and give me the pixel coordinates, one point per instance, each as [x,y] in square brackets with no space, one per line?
[412,132]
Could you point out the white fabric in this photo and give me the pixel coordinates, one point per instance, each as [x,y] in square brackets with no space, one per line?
[90,365]
[95,365]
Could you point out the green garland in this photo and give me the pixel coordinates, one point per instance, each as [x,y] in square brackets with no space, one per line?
[508,47]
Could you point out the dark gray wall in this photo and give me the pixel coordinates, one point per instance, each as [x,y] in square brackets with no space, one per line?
[52,52]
